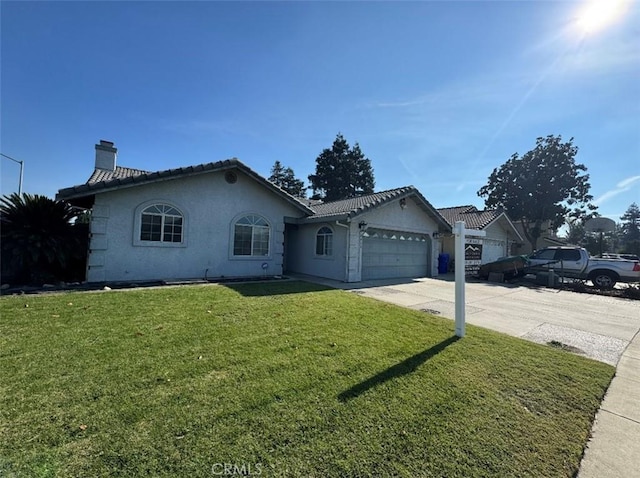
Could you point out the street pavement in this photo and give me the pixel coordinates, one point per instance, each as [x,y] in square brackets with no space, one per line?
[603,328]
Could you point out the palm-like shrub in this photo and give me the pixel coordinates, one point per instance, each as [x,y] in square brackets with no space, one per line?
[39,242]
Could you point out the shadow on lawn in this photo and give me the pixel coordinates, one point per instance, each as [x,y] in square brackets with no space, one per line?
[258,289]
[406,366]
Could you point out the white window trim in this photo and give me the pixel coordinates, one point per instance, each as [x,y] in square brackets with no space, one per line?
[232,230]
[137,224]
[324,257]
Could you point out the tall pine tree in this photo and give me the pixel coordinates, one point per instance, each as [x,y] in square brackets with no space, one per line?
[631,230]
[285,179]
[342,172]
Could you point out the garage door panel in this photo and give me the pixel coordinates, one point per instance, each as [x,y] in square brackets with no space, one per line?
[492,250]
[394,254]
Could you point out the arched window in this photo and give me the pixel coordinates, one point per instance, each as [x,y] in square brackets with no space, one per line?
[324,242]
[161,223]
[251,235]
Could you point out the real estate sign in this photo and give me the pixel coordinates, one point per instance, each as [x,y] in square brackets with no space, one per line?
[472,255]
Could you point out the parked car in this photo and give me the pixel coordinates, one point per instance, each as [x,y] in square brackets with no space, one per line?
[574,262]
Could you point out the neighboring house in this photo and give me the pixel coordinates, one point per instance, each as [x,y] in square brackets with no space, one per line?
[222,219]
[549,238]
[501,234]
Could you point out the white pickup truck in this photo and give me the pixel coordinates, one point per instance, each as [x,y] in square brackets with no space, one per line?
[575,263]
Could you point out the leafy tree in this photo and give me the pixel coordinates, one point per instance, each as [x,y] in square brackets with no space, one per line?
[39,243]
[592,242]
[614,239]
[576,232]
[341,172]
[577,235]
[543,187]
[631,229]
[285,179]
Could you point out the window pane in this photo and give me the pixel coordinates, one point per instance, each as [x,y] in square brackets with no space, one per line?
[168,235]
[324,242]
[242,240]
[176,234]
[171,210]
[569,254]
[145,234]
[155,209]
[545,254]
[151,219]
[157,225]
[259,221]
[319,245]
[251,236]
[151,225]
[260,241]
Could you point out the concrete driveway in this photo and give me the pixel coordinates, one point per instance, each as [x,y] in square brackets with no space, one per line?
[603,328]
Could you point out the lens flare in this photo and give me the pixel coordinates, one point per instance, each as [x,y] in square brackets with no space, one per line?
[599,14]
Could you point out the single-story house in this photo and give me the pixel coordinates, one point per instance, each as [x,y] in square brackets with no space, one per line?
[549,238]
[501,234]
[223,220]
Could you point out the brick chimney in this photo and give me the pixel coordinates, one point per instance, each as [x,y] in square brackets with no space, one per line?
[106,155]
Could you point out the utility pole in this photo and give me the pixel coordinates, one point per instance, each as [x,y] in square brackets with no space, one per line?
[21,163]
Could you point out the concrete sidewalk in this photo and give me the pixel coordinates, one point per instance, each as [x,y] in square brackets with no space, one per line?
[603,328]
[614,447]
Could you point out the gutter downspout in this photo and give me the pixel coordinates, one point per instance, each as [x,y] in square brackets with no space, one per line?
[347,257]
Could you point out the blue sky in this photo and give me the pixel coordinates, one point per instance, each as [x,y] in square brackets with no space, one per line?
[437,94]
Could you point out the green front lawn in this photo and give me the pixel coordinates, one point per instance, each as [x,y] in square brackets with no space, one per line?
[279,379]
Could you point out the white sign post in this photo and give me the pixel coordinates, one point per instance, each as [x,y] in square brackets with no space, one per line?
[460,232]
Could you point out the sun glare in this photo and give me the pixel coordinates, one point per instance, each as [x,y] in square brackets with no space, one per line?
[599,14]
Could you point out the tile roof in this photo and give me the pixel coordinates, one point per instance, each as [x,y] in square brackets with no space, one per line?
[353,206]
[100,175]
[472,217]
[311,202]
[358,205]
[102,181]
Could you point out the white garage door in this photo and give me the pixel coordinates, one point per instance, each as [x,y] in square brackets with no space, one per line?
[391,254]
[492,250]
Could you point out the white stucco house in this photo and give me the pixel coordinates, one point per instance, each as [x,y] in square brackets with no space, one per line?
[501,234]
[549,238]
[223,220]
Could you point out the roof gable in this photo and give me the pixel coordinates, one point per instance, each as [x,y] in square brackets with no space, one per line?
[103,180]
[356,205]
[474,218]
[349,208]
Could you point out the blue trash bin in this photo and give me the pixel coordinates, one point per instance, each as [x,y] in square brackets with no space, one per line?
[443,263]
